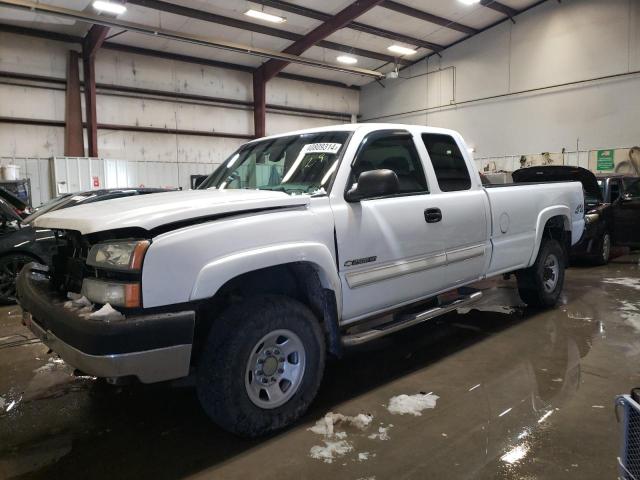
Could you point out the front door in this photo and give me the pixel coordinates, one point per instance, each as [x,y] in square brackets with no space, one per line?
[393,249]
[626,216]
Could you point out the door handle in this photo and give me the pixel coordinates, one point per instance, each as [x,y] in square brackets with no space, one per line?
[432,215]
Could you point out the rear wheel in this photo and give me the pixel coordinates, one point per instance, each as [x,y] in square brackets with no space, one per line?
[262,365]
[10,266]
[602,256]
[541,284]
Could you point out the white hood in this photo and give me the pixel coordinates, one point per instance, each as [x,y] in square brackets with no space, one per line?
[156,209]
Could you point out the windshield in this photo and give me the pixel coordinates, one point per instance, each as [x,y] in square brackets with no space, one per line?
[295,164]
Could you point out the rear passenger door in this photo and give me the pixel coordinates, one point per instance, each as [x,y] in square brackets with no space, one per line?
[465,209]
[626,216]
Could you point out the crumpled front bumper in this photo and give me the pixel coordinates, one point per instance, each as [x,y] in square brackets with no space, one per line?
[152,347]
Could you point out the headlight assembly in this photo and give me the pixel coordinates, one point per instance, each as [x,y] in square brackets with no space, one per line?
[123,255]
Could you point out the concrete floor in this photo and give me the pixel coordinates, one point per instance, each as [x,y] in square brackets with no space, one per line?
[522,395]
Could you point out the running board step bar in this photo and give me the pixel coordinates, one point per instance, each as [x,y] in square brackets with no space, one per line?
[465,297]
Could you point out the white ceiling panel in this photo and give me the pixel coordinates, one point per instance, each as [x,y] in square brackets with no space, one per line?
[475,16]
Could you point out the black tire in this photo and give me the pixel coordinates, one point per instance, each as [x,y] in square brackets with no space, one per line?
[10,266]
[534,283]
[604,250]
[223,370]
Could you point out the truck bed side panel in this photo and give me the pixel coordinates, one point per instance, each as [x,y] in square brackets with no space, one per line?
[518,215]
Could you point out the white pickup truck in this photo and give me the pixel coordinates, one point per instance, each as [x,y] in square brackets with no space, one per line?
[297,246]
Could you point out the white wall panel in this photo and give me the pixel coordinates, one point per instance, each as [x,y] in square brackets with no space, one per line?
[551,44]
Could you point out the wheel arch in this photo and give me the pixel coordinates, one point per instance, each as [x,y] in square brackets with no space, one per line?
[556,222]
[308,276]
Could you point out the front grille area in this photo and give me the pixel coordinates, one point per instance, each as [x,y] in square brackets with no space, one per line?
[68,265]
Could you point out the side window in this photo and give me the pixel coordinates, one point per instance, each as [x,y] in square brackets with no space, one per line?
[614,187]
[634,189]
[395,152]
[448,163]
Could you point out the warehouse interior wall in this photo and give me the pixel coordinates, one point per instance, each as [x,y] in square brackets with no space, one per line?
[45,101]
[563,76]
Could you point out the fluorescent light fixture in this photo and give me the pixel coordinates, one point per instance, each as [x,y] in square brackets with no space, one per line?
[347,59]
[470,2]
[109,7]
[401,50]
[267,17]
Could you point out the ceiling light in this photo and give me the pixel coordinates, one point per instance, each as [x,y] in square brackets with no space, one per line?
[267,17]
[470,2]
[109,7]
[347,59]
[401,50]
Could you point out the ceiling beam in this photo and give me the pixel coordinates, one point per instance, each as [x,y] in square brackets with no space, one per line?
[361,27]
[192,39]
[94,39]
[499,7]
[427,17]
[271,68]
[120,47]
[210,17]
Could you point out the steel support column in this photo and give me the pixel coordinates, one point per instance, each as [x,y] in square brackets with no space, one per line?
[90,46]
[259,104]
[73,134]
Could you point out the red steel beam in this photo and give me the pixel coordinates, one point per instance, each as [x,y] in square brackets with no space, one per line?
[259,104]
[73,134]
[272,67]
[90,45]
[427,17]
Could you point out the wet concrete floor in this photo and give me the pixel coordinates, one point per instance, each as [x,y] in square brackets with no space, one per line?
[526,395]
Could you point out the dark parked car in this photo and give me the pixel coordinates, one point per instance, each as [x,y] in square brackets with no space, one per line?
[612,215]
[18,206]
[20,243]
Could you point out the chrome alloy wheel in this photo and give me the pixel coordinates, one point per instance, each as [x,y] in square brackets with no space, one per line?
[275,369]
[550,273]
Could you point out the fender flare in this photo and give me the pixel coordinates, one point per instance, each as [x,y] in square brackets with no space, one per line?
[543,217]
[215,274]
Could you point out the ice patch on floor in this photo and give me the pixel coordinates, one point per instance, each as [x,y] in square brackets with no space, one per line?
[624,281]
[363,456]
[383,433]
[331,450]
[412,404]
[577,316]
[52,364]
[3,402]
[631,313]
[325,426]
[516,454]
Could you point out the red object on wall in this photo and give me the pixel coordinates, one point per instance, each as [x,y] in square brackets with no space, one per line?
[96,181]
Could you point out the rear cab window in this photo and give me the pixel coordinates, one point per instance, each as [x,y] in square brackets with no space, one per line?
[448,163]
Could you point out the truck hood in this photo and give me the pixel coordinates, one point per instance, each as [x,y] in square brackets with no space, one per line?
[159,209]
[560,173]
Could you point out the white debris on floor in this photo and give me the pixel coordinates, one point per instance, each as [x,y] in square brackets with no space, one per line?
[412,404]
[325,426]
[2,403]
[363,456]
[577,316]
[107,313]
[383,433]
[331,450]
[624,281]
[52,364]
[631,313]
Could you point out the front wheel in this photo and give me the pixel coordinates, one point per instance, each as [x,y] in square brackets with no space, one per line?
[541,284]
[262,365]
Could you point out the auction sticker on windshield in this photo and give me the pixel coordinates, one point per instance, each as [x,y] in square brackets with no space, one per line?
[332,148]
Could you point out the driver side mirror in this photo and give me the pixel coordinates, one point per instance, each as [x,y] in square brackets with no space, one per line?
[374,183]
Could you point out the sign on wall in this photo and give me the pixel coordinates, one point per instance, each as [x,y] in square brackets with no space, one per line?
[605,160]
